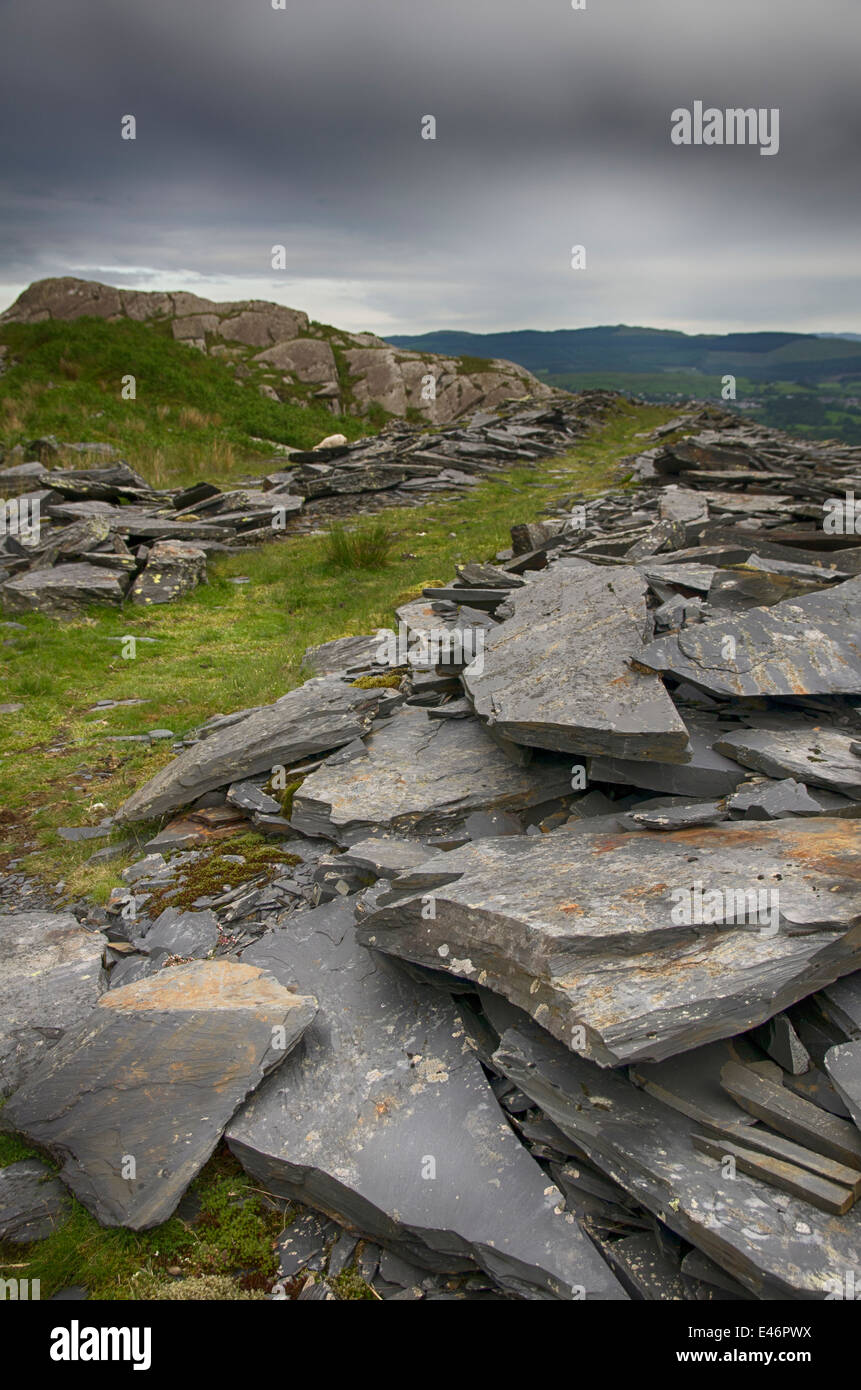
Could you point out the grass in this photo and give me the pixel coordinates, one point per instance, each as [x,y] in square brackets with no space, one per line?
[228,646]
[191,416]
[231,1237]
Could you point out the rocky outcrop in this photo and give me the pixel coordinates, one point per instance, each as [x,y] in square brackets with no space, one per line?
[350,372]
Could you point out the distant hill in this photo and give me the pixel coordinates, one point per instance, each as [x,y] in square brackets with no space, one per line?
[809,383]
[757,356]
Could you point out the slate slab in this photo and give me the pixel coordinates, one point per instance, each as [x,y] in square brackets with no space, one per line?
[63,589]
[153,1076]
[33,1203]
[776,1245]
[384,1121]
[51,976]
[802,646]
[320,715]
[420,777]
[820,756]
[605,939]
[558,673]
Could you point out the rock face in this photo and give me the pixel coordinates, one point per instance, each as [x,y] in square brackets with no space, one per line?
[530,686]
[320,715]
[420,777]
[384,1120]
[51,976]
[623,947]
[135,1099]
[298,350]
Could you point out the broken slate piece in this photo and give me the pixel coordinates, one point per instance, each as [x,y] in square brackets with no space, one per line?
[558,673]
[63,589]
[173,568]
[821,756]
[188,934]
[51,976]
[776,1245]
[249,797]
[636,946]
[421,777]
[707,773]
[799,1119]
[154,1075]
[320,715]
[384,1121]
[802,646]
[843,1064]
[33,1203]
[779,1039]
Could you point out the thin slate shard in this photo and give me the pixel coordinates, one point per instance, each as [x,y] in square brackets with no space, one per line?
[637,946]
[384,1120]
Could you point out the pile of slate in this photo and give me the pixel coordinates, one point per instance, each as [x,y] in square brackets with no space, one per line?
[106,536]
[559,996]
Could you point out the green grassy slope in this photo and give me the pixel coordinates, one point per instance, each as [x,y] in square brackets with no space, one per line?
[191,417]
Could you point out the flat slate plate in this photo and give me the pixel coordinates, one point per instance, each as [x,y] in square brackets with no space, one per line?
[607,941]
[384,1120]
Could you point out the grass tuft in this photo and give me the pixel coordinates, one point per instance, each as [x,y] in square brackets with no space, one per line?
[366,546]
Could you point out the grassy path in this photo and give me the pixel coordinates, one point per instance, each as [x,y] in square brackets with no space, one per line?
[230,645]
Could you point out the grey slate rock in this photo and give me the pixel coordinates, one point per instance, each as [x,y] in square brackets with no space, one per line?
[382,1086]
[62,589]
[843,1064]
[51,976]
[344,654]
[193,934]
[420,777]
[800,646]
[33,1203]
[320,715]
[775,1245]
[247,796]
[155,1073]
[820,756]
[558,674]
[707,773]
[578,929]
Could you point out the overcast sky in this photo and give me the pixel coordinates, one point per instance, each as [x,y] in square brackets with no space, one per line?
[302,126]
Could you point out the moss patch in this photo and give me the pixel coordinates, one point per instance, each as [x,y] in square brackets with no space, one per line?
[214,873]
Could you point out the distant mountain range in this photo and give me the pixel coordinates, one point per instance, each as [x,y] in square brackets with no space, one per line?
[807,383]
[802,357]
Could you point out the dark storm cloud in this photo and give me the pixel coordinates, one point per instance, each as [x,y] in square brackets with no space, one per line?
[302,126]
